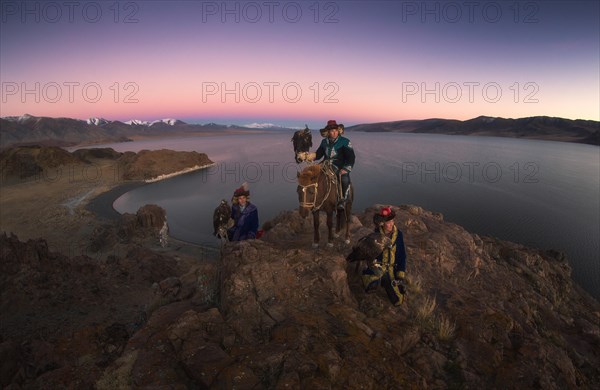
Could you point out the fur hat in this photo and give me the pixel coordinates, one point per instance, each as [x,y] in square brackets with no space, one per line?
[385,214]
[242,191]
[332,124]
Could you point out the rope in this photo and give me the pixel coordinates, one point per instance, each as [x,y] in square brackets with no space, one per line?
[304,202]
[329,180]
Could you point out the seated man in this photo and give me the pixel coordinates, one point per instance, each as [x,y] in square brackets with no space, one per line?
[339,150]
[244,215]
[389,270]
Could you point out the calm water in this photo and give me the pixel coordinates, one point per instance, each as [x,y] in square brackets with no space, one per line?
[538,193]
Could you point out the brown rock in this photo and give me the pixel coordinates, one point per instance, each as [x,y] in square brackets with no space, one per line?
[151,216]
[479,313]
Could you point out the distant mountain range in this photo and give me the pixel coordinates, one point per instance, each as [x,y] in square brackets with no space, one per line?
[30,130]
[537,127]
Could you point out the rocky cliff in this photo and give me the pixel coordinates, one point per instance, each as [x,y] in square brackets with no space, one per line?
[273,313]
[24,163]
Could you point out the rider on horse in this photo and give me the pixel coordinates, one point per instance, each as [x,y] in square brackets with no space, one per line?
[339,151]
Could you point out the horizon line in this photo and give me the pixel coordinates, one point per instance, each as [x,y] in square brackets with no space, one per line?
[267,122]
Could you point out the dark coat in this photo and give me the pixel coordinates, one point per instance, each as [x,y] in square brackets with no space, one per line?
[400,253]
[339,151]
[246,222]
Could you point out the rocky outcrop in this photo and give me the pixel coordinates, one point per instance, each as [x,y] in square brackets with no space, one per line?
[148,226]
[149,164]
[273,313]
[65,319]
[22,163]
[480,313]
[32,161]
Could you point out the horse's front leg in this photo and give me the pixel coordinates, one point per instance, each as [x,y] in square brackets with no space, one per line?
[338,223]
[330,236]
[316,229]
[347,216]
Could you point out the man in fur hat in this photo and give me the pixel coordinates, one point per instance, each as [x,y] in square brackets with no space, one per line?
[244,215]
[339,150]
[390,268]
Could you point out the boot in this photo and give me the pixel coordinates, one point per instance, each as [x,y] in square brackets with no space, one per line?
[342,202]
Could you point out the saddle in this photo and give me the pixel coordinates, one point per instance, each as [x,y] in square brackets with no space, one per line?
[332,175]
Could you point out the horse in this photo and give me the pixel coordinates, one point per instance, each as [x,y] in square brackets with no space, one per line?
[317,191]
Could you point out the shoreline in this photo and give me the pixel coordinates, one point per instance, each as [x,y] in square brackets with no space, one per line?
[178,173]
[102,204]
[102,207]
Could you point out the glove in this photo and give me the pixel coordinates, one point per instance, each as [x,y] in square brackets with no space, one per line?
[300,156]
[311,157]
[400,282]
[402,286]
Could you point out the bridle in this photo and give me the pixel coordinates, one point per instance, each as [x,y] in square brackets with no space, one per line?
[328,171]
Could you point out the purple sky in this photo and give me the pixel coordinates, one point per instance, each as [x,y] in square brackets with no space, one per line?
[292,63]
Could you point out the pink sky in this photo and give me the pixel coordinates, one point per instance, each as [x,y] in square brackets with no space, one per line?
[366,64]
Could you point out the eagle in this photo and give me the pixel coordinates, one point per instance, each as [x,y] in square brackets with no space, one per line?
[369,247]
[222,220]
[302,141]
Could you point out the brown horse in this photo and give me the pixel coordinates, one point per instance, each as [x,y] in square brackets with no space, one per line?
[317,191]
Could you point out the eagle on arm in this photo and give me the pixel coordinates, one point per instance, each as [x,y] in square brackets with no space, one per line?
[302,141]
[221,220]
[369,248]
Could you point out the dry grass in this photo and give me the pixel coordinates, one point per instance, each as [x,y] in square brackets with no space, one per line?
[425,309]
[416,284]
[446,328]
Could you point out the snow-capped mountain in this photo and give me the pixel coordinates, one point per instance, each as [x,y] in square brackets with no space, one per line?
[261,125]
[137,122]
[97,121]
[19,119]
[29,129]
[168,121]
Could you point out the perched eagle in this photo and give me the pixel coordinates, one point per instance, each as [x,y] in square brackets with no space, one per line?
[369,247]
[302,140]
[222,220]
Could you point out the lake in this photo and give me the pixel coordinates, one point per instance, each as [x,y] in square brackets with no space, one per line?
[538,193]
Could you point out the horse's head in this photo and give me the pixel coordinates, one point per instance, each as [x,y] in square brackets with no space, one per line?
[307,189]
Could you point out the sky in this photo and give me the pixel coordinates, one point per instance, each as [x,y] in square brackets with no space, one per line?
[303,62]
